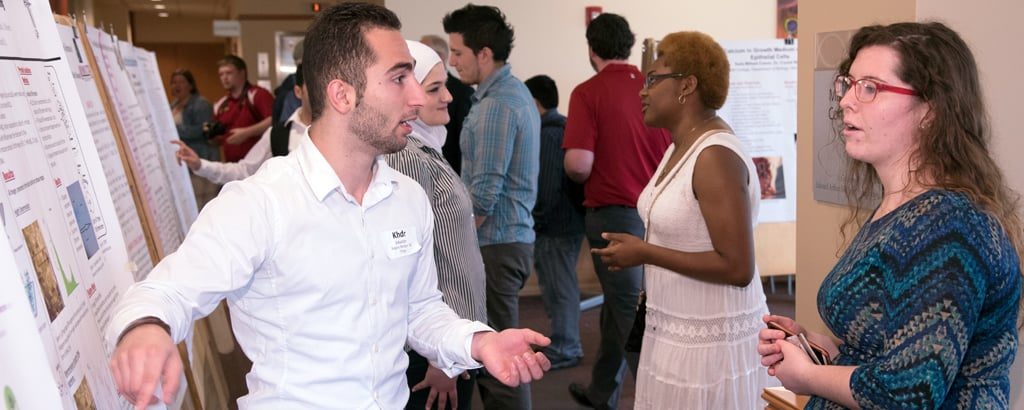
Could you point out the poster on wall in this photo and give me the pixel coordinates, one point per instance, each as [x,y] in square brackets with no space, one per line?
[145,153]
[761,108]
[142,69]
[58,216]
[106,147]
[30,387]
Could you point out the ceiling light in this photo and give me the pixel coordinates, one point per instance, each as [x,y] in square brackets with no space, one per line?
[164,14]
[159,6]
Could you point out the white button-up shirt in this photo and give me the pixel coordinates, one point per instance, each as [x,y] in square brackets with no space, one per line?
[324,292]
[223,172]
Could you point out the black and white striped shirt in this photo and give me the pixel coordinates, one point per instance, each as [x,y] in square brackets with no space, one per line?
[460,268]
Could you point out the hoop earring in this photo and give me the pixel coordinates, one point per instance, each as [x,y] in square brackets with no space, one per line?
[681,99]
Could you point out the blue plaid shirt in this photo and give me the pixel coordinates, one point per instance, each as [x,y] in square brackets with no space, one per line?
[500,144]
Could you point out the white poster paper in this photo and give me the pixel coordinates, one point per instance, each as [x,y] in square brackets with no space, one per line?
[106,146]
[147,157]
[142,68]
[57,211]
[761,108]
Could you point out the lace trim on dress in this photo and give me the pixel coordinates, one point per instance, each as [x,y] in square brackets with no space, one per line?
[703,331]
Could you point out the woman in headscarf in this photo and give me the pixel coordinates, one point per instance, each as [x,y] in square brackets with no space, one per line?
[460,269]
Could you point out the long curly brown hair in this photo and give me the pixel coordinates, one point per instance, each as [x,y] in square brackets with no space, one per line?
[952,152]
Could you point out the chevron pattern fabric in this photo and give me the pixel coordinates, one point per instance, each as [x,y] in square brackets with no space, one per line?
[926,300]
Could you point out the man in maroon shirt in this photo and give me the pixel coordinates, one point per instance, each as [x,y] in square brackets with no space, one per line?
[245,111]
[612,152]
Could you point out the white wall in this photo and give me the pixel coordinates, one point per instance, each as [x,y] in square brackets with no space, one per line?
[997,52]
[551,35]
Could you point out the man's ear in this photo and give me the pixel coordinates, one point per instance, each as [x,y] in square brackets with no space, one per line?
[485,54]
[341,96]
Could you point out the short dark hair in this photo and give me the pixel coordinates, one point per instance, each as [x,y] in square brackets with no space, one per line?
[336,48]
[482,26]
[299,79]
[233,60]
[544,90]
[610,37]
[187,75]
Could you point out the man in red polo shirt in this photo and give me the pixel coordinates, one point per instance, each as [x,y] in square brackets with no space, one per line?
[612,152]
[245,111]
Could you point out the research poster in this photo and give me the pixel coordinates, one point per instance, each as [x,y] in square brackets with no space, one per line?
[29,387]
[109,153]
[145,75]
[761,108]
[152,181]
[60,222]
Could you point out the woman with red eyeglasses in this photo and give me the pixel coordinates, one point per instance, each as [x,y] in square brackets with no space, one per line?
[926,298]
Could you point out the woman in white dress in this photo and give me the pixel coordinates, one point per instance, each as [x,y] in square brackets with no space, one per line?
[704,303]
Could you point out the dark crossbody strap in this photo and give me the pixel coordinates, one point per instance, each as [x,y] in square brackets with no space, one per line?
[279,135]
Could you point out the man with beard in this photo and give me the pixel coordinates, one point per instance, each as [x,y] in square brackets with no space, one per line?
[500,161]
[325,255]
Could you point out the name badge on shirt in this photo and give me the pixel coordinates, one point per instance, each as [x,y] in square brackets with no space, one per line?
[401,242]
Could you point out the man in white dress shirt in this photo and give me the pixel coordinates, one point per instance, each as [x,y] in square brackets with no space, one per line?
[325,256]
[221,173]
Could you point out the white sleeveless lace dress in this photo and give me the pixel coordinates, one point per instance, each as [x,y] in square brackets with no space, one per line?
[700,345]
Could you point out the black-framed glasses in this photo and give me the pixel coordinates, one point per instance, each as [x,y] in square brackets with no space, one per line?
[654,78]
[866,89]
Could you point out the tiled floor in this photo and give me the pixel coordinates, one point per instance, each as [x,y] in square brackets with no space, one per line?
[552,391]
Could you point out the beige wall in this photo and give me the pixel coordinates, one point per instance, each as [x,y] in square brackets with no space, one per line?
[999,61]
[550,35]
[817,234]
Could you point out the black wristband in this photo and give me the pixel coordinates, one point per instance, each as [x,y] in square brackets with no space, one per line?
[148,320]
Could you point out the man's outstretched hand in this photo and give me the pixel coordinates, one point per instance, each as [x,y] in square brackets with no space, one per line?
[509,357]
[145,356]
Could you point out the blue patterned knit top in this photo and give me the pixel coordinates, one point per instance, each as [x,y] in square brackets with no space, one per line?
[926,302]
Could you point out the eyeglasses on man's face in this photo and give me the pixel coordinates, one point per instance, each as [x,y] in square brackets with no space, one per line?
[653,79]
[866,89]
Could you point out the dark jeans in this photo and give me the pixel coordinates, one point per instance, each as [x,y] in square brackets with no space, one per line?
[621,290]
[560,290]
[418,400]
[507,266]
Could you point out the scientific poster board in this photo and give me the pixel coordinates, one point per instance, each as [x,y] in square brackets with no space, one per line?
[202,365]
[114,163]
[31,387]
[146,156]
[58,216]
[145,79]
[761,108]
